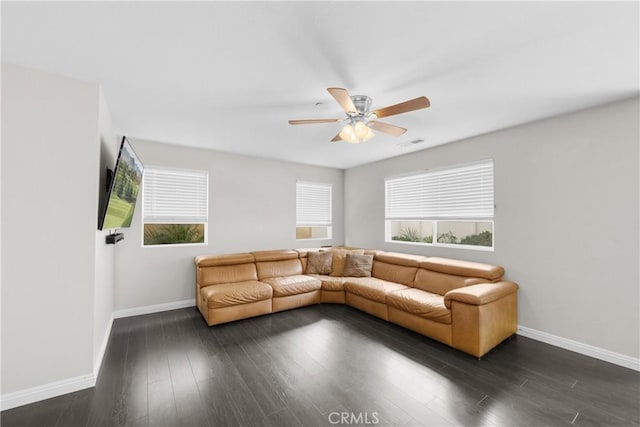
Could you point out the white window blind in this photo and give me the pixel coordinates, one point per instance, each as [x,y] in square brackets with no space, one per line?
[313,204]
[459,192]
[174,196]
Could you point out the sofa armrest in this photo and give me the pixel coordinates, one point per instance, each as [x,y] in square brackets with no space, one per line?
[480,294]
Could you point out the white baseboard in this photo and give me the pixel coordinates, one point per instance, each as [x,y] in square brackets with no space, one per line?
[69,385]
[58,388]
[148,309]
[46,391]
[582,348]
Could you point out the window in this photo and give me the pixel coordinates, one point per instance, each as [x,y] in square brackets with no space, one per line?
[175,206]
[454,204]
[313,210]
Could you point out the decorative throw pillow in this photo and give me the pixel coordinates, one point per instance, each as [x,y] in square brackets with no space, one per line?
[319,262]
[358,265]
[339,258]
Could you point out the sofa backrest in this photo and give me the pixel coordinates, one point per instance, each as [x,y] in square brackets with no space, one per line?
[492,273]
[441,275]
[277,263]
[395,267]
[231,268]
[441,283]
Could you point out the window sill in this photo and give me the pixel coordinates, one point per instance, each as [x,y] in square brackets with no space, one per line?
[176,245]
[444,245]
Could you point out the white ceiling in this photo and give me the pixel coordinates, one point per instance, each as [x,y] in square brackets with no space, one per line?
[228,76]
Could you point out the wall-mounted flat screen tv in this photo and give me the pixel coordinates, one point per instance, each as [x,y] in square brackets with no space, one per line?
[123,190]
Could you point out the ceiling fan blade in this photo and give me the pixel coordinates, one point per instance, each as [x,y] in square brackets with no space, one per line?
[387,128]
[342,96]
[403,107]
[337,138]
[308,122]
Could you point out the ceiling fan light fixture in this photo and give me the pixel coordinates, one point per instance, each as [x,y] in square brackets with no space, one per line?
[355,133]
[370,134]
[360,129]
[348,134]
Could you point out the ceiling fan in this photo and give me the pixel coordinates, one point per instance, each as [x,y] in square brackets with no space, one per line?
[361,120]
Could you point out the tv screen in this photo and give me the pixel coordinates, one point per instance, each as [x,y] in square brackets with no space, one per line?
[123,191]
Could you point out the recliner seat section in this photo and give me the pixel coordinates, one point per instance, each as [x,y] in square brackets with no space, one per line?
[282,270]
[463,304]
[369,294]
[420,303]
[423,309]
[390,272]
[227,288]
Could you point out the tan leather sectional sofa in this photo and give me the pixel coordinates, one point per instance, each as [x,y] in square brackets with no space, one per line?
[463,304]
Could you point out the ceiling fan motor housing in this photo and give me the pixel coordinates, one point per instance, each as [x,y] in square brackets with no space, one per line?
[362,104]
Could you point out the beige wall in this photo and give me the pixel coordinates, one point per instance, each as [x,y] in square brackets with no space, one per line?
[50,159]
[252,206]
[566,219]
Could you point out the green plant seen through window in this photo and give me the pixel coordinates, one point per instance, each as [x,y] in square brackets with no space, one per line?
[481,239]
[447,237]
[410,234]
[172,234]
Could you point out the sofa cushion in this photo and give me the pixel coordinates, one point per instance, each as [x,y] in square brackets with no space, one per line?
[420,303]
[293,285]
[393,272]
[441,283]
[319,263]
[330,283]
[289,267]
[358,265]
[372,288]
[229,294]
[339,259]
[213,275]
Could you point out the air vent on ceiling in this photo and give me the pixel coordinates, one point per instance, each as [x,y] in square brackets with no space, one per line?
[410,143]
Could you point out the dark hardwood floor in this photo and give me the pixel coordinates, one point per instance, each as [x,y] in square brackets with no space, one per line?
[331,364]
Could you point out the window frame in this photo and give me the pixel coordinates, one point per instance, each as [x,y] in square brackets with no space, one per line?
[204,223]
[437,220]
[328,227]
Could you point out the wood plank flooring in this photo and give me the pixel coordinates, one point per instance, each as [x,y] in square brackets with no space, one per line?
[331,365]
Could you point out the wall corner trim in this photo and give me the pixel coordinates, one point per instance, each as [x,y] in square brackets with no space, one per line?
[97,364]
[148,309]
[582,348]
[46,391]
